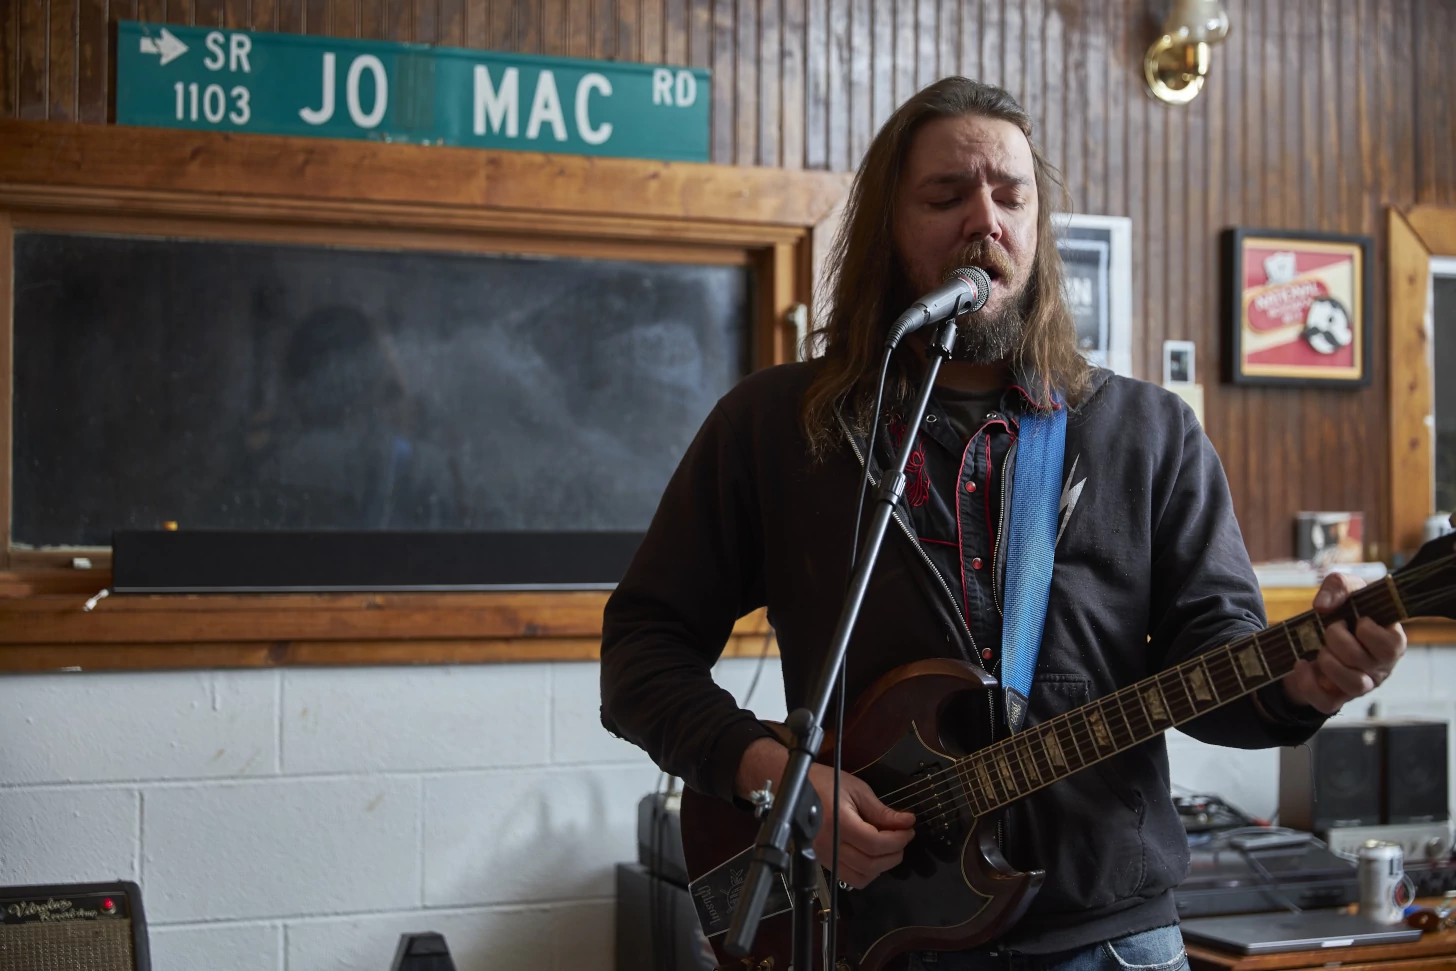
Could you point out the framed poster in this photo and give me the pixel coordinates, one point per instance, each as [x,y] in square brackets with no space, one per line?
[1097,260]
[1298,308]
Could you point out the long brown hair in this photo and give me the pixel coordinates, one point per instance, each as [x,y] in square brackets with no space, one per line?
[865,285]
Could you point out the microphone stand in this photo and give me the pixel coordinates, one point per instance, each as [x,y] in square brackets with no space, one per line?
[795,815]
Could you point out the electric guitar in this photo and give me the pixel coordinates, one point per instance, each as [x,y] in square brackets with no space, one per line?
[954,890]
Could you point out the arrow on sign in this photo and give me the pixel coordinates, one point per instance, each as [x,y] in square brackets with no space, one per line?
[168,46]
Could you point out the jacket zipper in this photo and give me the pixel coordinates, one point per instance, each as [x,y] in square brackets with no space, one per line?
[910,535]
[996,578]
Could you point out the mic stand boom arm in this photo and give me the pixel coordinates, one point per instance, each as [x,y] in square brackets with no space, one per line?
[787,821]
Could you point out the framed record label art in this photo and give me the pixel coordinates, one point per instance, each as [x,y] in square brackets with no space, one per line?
[1298,308]
[1097,265]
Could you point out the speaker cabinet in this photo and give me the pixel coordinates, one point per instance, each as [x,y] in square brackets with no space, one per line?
[1332,780]
[1416,768]
[79,927]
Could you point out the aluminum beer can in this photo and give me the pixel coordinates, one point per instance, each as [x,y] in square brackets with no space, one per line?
[1381,866]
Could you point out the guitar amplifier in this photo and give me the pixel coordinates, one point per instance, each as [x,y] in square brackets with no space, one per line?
[657,926]
[659,837]
[77,927]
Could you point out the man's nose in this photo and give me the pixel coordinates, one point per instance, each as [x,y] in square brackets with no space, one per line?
[982,221]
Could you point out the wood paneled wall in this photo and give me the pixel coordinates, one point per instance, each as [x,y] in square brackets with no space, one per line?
[1318,114]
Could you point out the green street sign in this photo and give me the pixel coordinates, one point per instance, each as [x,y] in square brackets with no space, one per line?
[291,84]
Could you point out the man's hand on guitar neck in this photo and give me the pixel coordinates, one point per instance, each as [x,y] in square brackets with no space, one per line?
[1351,663]
[873,836]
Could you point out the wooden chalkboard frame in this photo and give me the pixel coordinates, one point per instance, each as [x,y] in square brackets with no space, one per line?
[265,188]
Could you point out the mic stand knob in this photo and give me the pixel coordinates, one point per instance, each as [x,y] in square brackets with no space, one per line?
[762,799]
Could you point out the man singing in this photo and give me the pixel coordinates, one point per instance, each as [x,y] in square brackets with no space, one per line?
[1150,568]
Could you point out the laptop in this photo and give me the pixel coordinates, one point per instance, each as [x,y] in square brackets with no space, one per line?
[1283,931]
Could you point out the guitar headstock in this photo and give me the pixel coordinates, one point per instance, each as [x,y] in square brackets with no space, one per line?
[1428,582]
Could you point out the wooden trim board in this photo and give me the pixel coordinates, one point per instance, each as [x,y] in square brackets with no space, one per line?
[1424,232]
[46,629]
[120,157]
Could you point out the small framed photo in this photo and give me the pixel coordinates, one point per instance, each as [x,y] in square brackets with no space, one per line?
[1298,308]
[1179,363]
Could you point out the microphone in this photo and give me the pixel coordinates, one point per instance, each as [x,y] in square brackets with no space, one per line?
[965,291]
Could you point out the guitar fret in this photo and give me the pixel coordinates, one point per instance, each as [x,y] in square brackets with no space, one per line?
[1169,701]
[1216,679]
[1203,689]
[1052,749]
[1140,709]
[1059,754]
[1155,706]
[1294,647]
[1097,731]
[1008,772]
[1045,774]
[1024,761]
[1276,661]
[1187,694]
[1230,681]
[973,795]
[1134,734]
[983,775]
[1014,747]
[1252,666]
[1395,598]
[1067,744]
[1228,658]
[1079,740]
[1028,763]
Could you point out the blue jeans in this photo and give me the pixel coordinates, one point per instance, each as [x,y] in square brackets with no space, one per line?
[1155,950]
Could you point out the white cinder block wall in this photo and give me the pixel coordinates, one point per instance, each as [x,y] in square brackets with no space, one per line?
[302,819]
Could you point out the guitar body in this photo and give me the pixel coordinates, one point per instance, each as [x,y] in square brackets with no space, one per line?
[952,891]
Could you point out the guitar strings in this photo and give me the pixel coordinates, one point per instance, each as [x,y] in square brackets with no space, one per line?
[1082,740]
[961,801]
[1120,698]
[927,787]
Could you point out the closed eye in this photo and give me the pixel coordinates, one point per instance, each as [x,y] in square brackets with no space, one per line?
[944,203]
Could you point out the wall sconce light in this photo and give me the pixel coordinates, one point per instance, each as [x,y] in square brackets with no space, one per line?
[1177,63]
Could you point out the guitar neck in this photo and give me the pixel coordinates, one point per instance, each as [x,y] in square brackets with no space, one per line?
[1006,771]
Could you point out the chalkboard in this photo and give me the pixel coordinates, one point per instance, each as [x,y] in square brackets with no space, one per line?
[229,385]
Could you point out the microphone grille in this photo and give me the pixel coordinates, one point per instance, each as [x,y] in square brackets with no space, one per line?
[979,279]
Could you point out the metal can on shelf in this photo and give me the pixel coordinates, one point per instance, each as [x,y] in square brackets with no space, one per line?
[1380,867]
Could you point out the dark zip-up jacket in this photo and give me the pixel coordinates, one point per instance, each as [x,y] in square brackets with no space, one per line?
[1150,570]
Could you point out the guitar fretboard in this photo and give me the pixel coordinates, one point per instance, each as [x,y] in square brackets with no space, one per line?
[1045,753]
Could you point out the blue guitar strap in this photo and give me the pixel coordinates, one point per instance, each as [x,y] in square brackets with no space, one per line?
[1031,545]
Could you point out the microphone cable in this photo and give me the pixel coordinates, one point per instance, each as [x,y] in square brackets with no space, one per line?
[832,928]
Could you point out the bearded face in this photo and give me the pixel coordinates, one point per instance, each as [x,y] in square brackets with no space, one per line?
[967,197]
[991,334]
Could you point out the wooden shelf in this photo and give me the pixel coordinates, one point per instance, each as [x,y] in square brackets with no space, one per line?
[44,628]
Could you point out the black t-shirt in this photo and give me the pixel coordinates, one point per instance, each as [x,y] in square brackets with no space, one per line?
[967,410]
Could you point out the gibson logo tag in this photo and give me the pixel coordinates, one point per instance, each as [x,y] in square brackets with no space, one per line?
[715,894]
[1015,709]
